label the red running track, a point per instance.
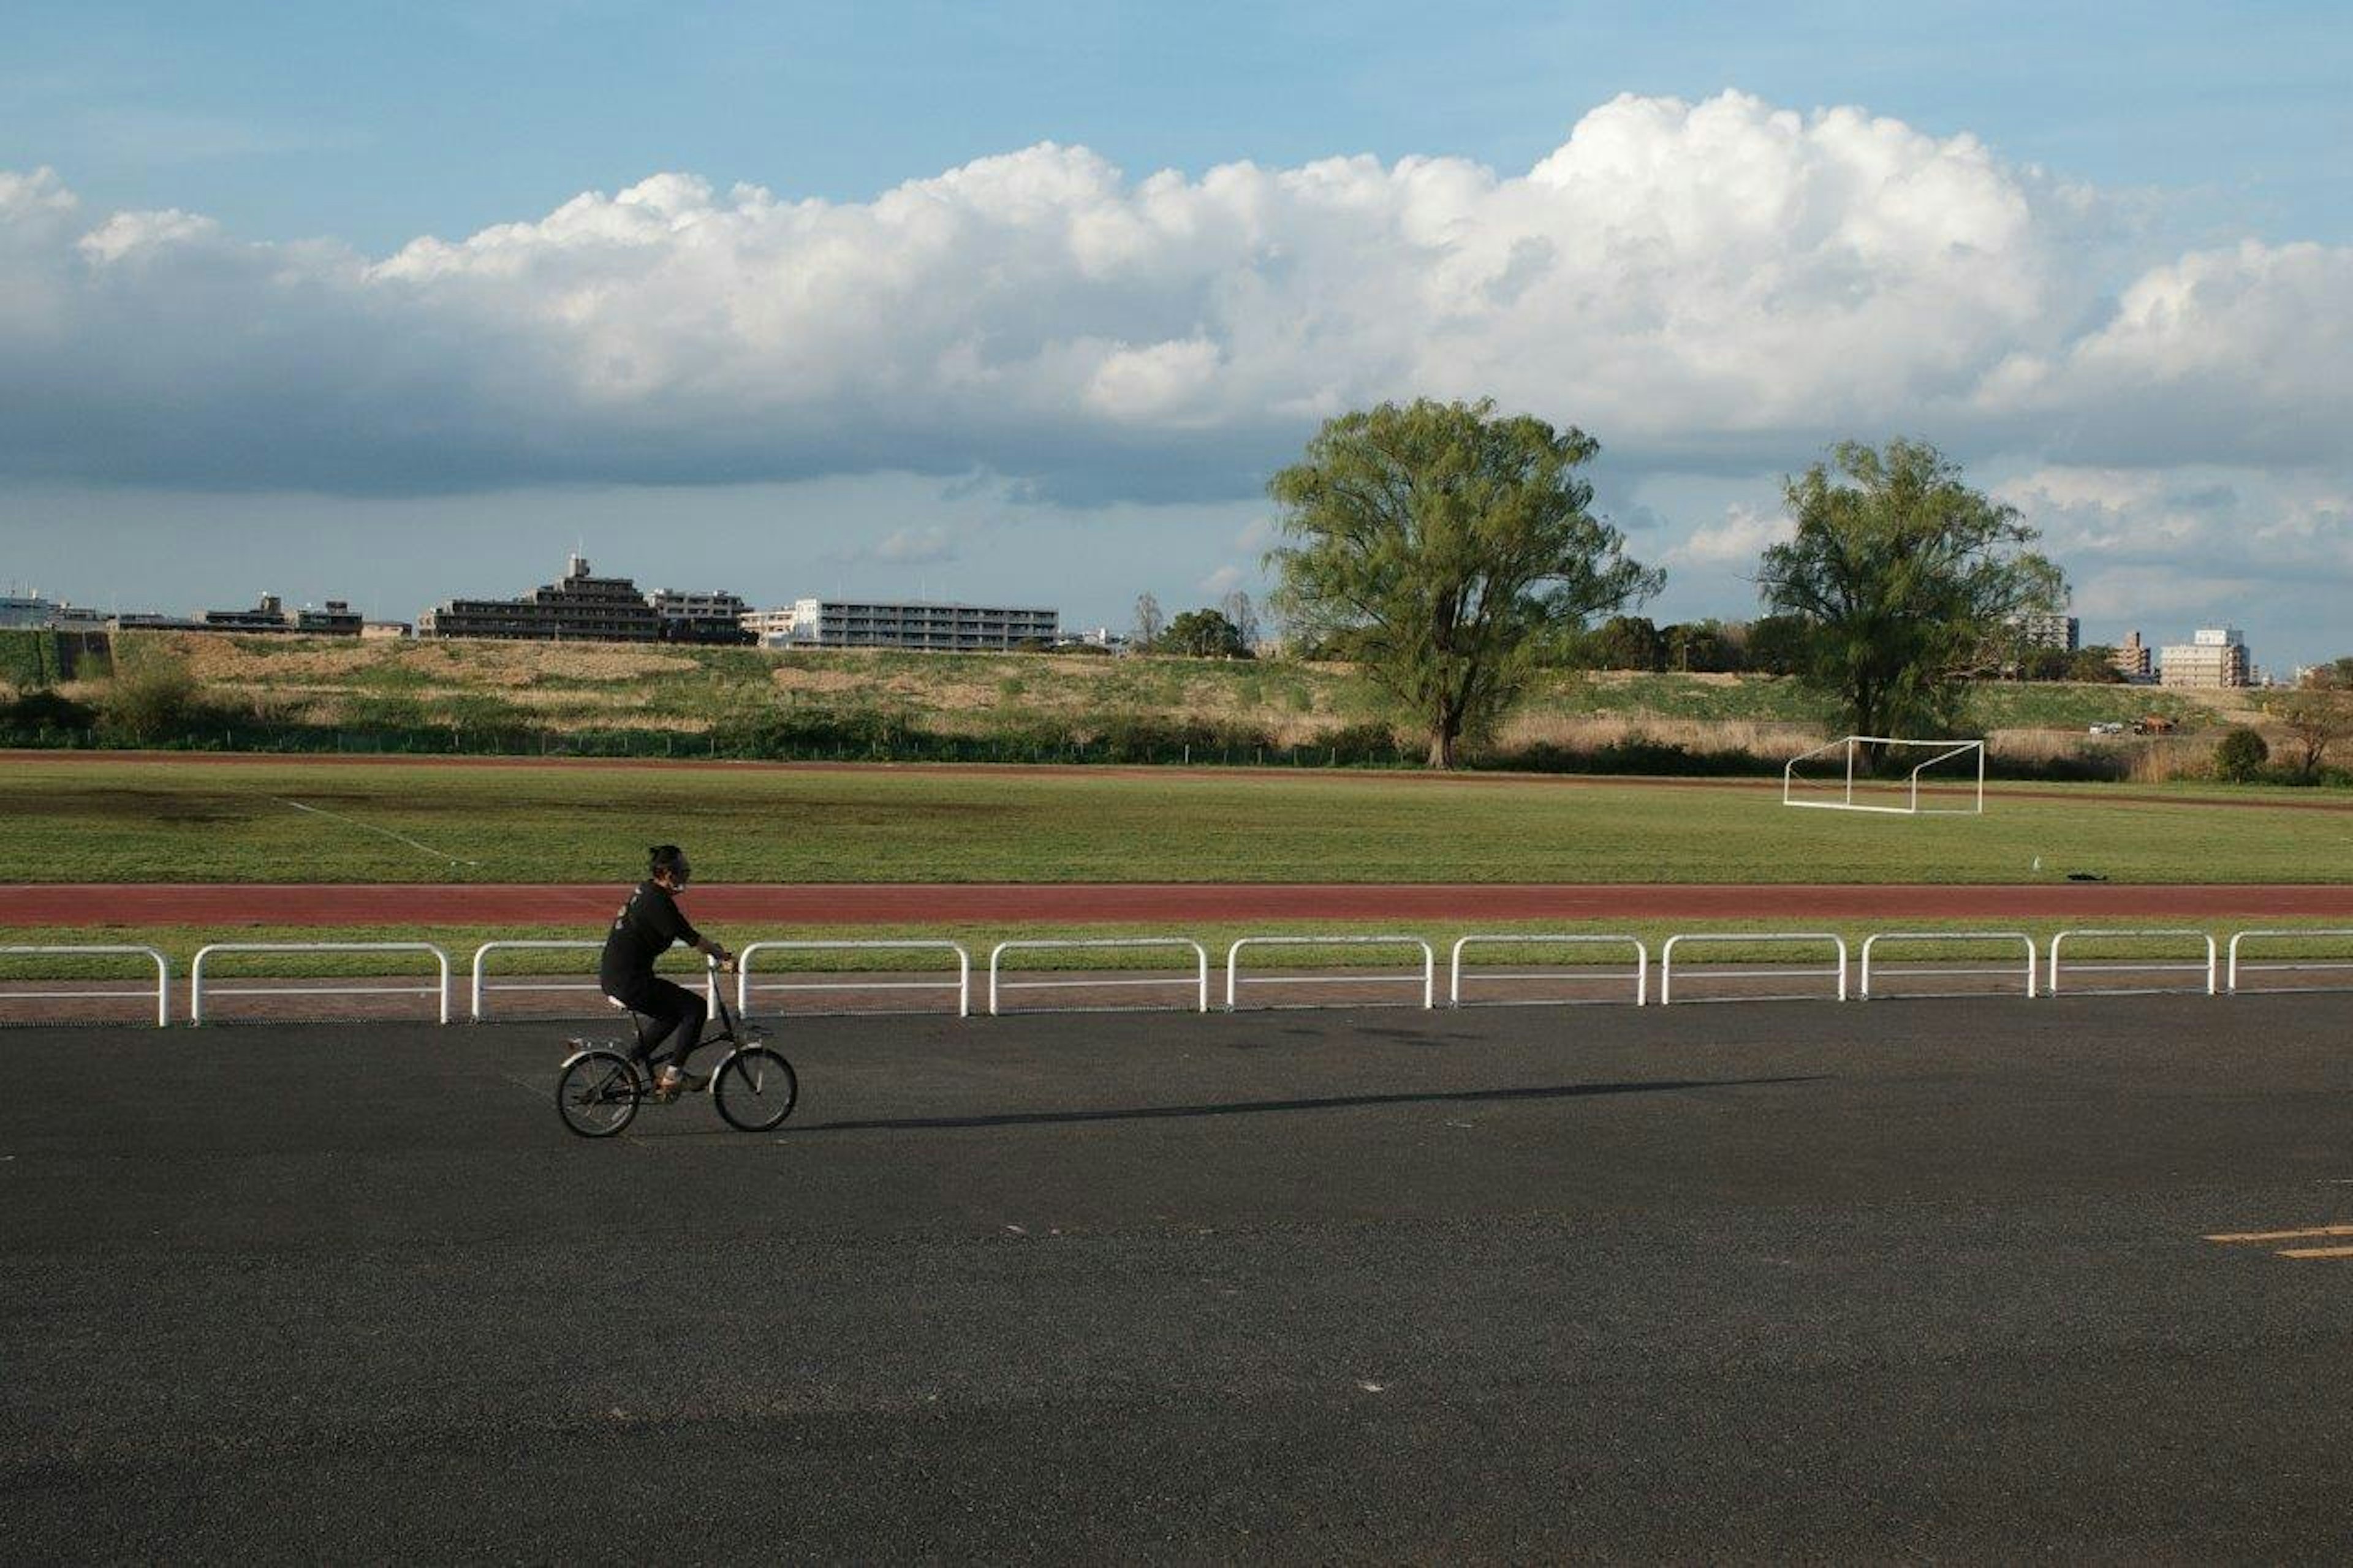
(1145, 903)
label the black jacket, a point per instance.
(648, 925)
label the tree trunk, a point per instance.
(1444, 730)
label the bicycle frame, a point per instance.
(634, 1081)
(733, 1030)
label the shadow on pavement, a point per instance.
(1255, 1106)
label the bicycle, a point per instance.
(599, 1088)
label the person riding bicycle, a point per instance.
(647, 927)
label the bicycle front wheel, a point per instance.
(755, 1089)
(597, 1093)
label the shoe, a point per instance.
(674, 1082)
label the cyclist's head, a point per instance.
(668, 861)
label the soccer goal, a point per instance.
(1883, 772)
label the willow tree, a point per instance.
(1903, 578)
(1441, 546)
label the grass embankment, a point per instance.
(121, 821)
(260, 693)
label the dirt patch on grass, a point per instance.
(234, 661)
(222, 662)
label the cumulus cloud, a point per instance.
(1721, 282)
(2245, 521)
(1737, 541)
(2219, 355)
(915, 546)
(2166, 549)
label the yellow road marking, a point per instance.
(2285, 1235)
(2317, 1252)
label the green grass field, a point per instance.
(109, 821)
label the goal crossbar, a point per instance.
(1946, 750)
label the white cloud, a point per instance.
(24, 196)
(1737, 541)
(1154, 385)
(1258, 534)
(2165, 551)
(127, 233)
(2229, 353)
(915, 546)
(1723, 283)
(2225, 521)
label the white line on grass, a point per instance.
(385, 832)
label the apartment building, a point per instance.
(583, 606)
(2051, 629)
(2214, 656)
(938, 628)
(769, 625)
(700, 617)
(26, 610)
(2131, 659)
(337, 619)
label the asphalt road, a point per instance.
(1904, 1279)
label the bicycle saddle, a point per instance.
(638, 1021)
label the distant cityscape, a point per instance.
(2213, 656)
(582, 606)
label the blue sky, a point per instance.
(236, 367)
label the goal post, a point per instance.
(1837, 777)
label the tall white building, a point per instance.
(941, 629)
(2052, 629)
(2214, 656)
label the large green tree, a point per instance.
(1903, 579)
(1203, 633)
(1441, 545)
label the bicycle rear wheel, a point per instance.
(755, 1089)
(597, 1093)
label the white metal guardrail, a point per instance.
(1199, 980)
(1454, 966)
(439, 990)
(203, 986)
(2210, 966)
(163, 976)
(1976, 936)
(960, 985)
(1667, 962)
(483, 985)
(1233, 963)
(2286, 965)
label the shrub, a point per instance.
(2239, 755)
(1634, 756)
(45, 709)
(1151, 738)
(1367, 740)
(149, 701)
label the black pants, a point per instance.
(677, 1015)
